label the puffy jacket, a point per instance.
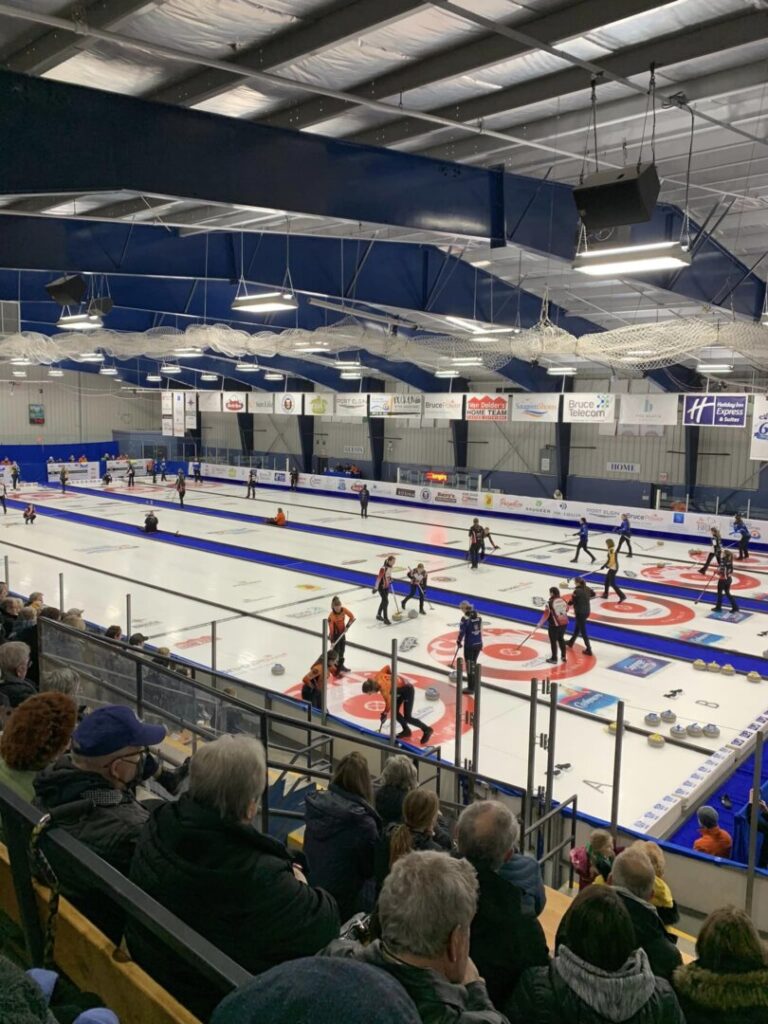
(14, 690)
(524, 873)
(571, 991)
(233, 885)
(342, 831)
(714, 841)
(706, 997)
(419, 841)
(107, 820)
(438, 1000)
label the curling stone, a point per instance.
(694, 552)
(754, 677)
(656, 740)
(728, 670)
(452, 675)
(412, 613)
(613, 727)
(661, 565)
(713, 667)
(668, 716)
(565, 585)
(278, 669)
(700, 665)
(711, 730)
(694, 729)
(431, 693)
(678, 732)
(652, 719)
(398, 616)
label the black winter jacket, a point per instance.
(419, 841)
(571, 991)
(709, 998)
(389, 807)
(14, 691)
(580, 600)
(233, 885)
(340, 839)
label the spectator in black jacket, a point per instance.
(415, 833)
(203, 859)
(396, 781)
(9, 613)
(598, 975)
(504, 940)
(762, 828)
(341, 835)
(14, 665)
(580, 598)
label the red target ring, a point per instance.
(687, 576)
(641, 611)
(505, 657)
(755, 562)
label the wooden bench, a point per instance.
(94, 964)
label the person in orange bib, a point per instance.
(312, 683)
(404, 698)
(279, 519)
(339, 621)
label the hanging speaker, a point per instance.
(100, 305)
(67, 291)
(626, 195)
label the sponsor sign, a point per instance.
(355, 405)
(695, 636)
(730, 616)
(288, 403)
(446, 497)
(394, 404)
(444, 407)
(190, 410)
(649, 410)
(487, 408)
(209, 401)
(178, 413)
(167, 426)
(623, 467)
(530, 408)
(715, 410)
(586, 700)
(318, 404)
(36, 414)
(234, 401)
(470, 498)
(260, 402)
(166, 403)
(78, 472)
(588, 407)
(406, 492)
(353, 449)
(639, 665)
(758, 448)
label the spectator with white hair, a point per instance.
(61, 680)
(15, 687)
(398, 778)
(426, 908)
(504, 940)
(203, 858)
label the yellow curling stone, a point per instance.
(728, 670)
(754, 677)
(713, 667)
(655, 739)
(700, 665)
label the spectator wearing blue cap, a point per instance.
(91, 794)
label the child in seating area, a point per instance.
(662, 894)
(593, 862)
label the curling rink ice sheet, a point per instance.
(266, 614)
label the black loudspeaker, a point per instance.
(67, 291)
(624, 196)
(101, 305)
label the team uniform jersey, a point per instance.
(471, 631)
(338, 621)
(384, 579)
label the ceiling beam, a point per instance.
(331, 26)
(483, 51)
(712, 37)
(45, 50)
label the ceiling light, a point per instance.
(467, 360)
(155, 378)
(19, 373)
(170, 368)
(248, 367)
(207, 377)
(561, 371)
(479, 263)
(21, 361)
(350, 375)
(188, 353)
(348, 364)
(266, 302)
(55, 372)
(79, 322)
(446, 373)
(274, 376)
(632, 259)
(640, 352)
(319, 347)
(714, 368)
(91, 357)
(108, 371)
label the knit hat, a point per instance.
(319, 990)
(21, 1000)
(708, 817)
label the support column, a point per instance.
(692, 438)
(460, 433)
(245, 428)
(375, 431)
(307, 441)
(563, 447)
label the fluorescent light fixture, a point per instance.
(55, 372)
(154, 378)
(479, 263)
(248, 367)
(474, 327)
(348, 364)
(350, 375)
(266, 302)
(91, 357)
(632, 259)
(446, 373)
(79, 321)
(21, 361)
(274, 376)
(108, 371)
(170, 368)
(561, 371)
(188, 353)
(714, 368)
(319, 347)
(467, 360)
(210, 377)
(19, 373)
(640, 352)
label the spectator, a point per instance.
(9, 613)
(397, 779)
(113, 633)
(525, 874)
(594, 861)
(662, 894)
(762, 829)
(204, 860)
(74, 620)
(26, 621)
(26, 632)
(90, 793)
(416, 832)
(426, 908)
(598, 975)
(713, 840)
(504, 940)
(36, 598)
(321, 990)
(15, 687)
(633, 878)
(49, 612)
(36, 733)
(728, 983)
(342, 831)
(137, 640)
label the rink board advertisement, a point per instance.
(354, 405)
(78, 472)
(119, 467)
(395, 403)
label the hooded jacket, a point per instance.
(714, 841)
(572, 991)
(438, 1000)
(340, 839)
(232, 884)
(724, 998)
(15, 691)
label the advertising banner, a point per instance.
(355, 405)
(209, 401)
(319, 404)
(190, 410)
(394, 404)
(79, 472)
(649, 410)
(261, 402)
(759, 440)
(167, 426)
(715, 411)
(443, 407)
(588, 407)
(288, 403)
(178, 413)
(233, 401)
(487, 408)
(532, 408)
